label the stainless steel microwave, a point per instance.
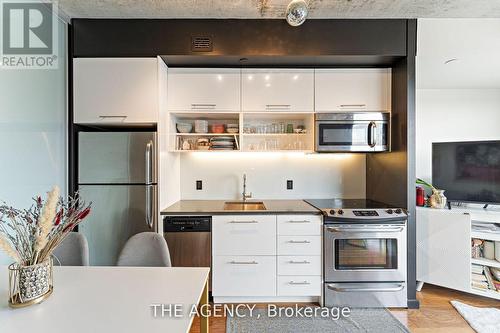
(352, 132)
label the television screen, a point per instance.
(467, 171)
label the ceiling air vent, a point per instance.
(201, 44)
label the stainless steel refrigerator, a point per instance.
(117, 172)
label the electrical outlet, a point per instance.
(289, 184)
(199, 185)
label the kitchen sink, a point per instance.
(244, 205)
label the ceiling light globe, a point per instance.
(296, 12)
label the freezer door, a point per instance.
(116, 157)
(118, 212)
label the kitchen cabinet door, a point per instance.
(244, 276)
(443, 248)
(277, 90)
(205, 89)
(115, 90)
(244, 235)
(353, 89)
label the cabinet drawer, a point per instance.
(299, 225)
(299, 285)
(244, 276)
(299, 265)
(299, 245)
(244, 235)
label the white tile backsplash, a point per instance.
(313, 175)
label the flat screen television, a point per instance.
(467, 171)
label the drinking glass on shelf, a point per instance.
(282, 128)
(275, 128)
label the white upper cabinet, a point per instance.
(115, 90)
(277, 90)
(205, 89)
(353, 89)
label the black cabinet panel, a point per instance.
(265, 40)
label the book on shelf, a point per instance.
(478, 277)
(483, 285)
(477, 269)
(489, 278)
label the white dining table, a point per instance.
(111, 299)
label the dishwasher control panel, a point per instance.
(187, 223)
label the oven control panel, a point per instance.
(365, 214)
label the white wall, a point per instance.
(459, 100)
(314, 175)
(32, 132)
(454, 115)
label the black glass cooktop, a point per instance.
(347, 203)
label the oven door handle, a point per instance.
(363, 229)
(396, 287)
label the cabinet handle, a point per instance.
(244, 222)
(299, 242)
(203, 106)
(278, 106)
(299, 283)
(352, 105)
(243, 262)
(299, 262)
(304, 221)
(112, 117)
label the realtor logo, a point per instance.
(29, 34)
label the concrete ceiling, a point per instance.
(276, 8)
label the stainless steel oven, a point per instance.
(352, 132)
(365, 265)
(373, 252)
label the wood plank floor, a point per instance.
(435, 315)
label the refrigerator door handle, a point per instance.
(150, 206)
(149, 162)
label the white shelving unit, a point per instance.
(444, 247)
(248, 142)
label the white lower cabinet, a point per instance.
(244, 276)
(261, 257)
(299, 285)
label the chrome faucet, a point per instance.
(245, 194)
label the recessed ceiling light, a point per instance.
(296, 12)
(450, 61)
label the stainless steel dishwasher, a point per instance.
(189, 240)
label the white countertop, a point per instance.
(107, 299)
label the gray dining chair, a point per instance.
(147, 249)
(73, 251)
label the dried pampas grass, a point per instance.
(30, 236)
(8, 249)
